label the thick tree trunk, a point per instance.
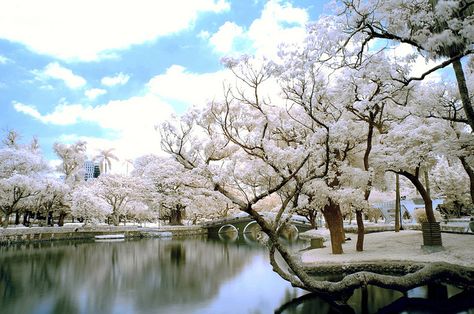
(333, 216)
(360, 231)
(61, 218)
(6, 221)
(115, 219)
(464, 92)
(424, 194)
(470, 173)
(176, 217)
(432, 234)
(50, 219)
(26, 219)
(17, 217)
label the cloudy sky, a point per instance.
(108, 71)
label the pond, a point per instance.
(195, 275)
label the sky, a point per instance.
(109, 71)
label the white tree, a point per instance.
(72, 158)
(117, 191)
(53, 198)
(177, 192)
(439, 30)
(21, 169)
(88, 206)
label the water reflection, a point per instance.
(176, 276)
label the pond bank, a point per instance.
(396, 249)
(33, 234)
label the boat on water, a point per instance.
(110, 237)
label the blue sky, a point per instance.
(108, 71)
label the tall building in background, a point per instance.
(91, 170)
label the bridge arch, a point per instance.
(227, 228)
(251, 227)
(228, 232)
(290, 232)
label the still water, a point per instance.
(160, 276)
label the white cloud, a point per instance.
(89, 29)
(187, 87)
(62, 115)
(4, 60)
(93, 93)
(118, 79)
(56, 71)
(130, 122)
(224, 38)
(278, 23)
(204, 35)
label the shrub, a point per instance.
(420, 215)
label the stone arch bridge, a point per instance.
(246, 226)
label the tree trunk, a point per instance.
(424, 194)
(431, 230)
(61, 218)
(333, 216)
(17, 217)
(176, 217)
(464, 92)
(50, 219)
(359, 214)
(312, 215)
(115, 219)
(398, 212)
(6, 221)
(470, 173)
(360, 231)
(26, 216)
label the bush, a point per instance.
(420, 215)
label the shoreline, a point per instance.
(36, 234)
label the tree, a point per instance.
(437, 29)
(72, 159)
(452, 185)
(177, 192)
(20, 171)
(409, 149)
(53, 198)
(447, 106)
(117, 191)
(13, 190)
(105, 158)
(88, 206)
(371, 94)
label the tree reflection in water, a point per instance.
(178, 276)
(439, 298)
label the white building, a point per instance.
(91, 170)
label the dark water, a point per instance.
(172, 276)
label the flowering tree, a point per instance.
(53, 198)
(21, 168)
(116, 191)
(450, 183)
(87, 205)
(437, 29)
(72, 159)
(177, 192)
(410, 149)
